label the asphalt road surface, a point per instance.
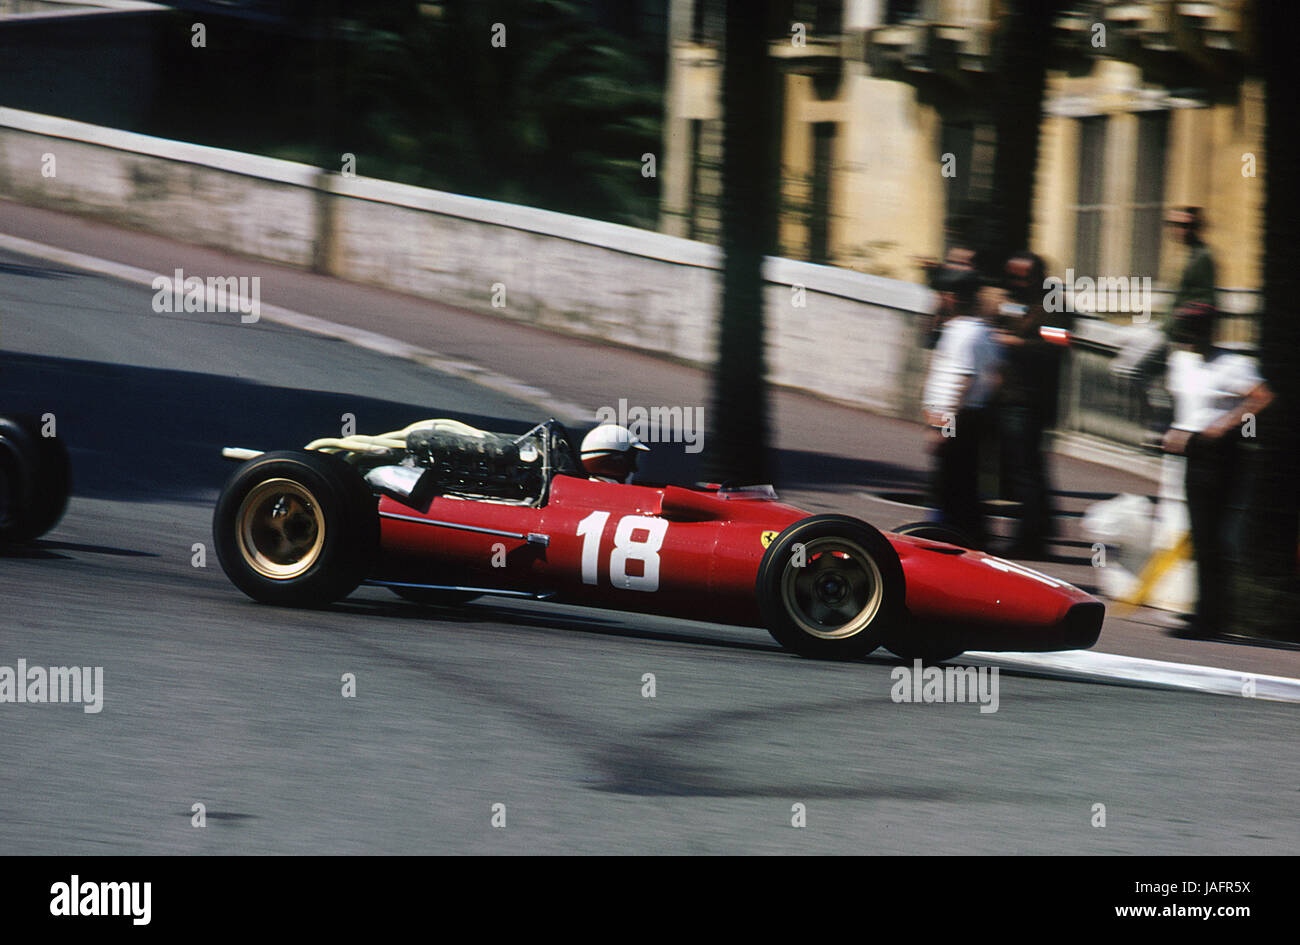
(211, 699)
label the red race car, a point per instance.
(441, 512)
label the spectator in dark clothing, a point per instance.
(960, 258)
(1146, 361)
(1026, 400)
(1195, 292)
(1196, 287)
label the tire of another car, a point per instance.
(296, 528)
(841, 566)
(35, 478)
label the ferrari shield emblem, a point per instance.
(766, 538)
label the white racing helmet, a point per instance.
(609, 452)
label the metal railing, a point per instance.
(1122, 407)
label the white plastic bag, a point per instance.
(1124, 523)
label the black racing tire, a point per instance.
(296, 528)
(933, 531)
(427, 595)
(35, 479)
(849, 571)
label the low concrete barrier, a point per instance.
(239, 202)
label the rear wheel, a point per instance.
(296, 528)
(830, 587)
(35, 479)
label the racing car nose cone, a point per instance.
(1082, 624)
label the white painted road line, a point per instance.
(1093, 666)
(573, 414)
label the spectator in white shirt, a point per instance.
(958, 391)
(1213, 392)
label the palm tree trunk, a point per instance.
(737, 444)
(1268, 592)
(1024, 42)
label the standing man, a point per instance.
(1195, 292)
(1196, 287)
(1026, 400)
(959, 258)
(1213, 392)
(958, 391)
(1146, 360)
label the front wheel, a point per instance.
(830, 587)
(296, 528)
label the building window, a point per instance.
(1088, 208)
(959, 141)
(819, 226)
(902, 11)
(1149, 192)
(693, 213)
(708, 21)
(822, 17)
(969, 189)
(706, 180)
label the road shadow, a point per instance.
(140, 434)
(151, 434)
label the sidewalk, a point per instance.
(828, 456)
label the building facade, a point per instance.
(889, 117)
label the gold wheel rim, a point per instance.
(836, 593)
(281, 529)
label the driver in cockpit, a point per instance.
(609, 453)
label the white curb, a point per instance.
(1092, 666)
